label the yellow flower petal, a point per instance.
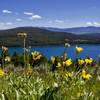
(68, 62)
(79, 49)
(1, 73)
(59, 64)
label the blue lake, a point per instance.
(89, 50)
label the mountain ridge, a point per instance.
(77, 30)
(38, 36)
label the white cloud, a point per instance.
(28, 13)
(7, 11)
(59, 21)
(56, 21)
(96, 24)
(89, 23)
(35, 17)
(8, 23)
(93, 24)
(4, 24)
(18, 19)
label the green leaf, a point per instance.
(17, 95)
(55, 97)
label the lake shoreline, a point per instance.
(50, 45)
(57, 50)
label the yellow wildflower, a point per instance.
(88, 60)
(39, 56)
(83, 72)
(81, 62)
(79, 49)
(69, 74)
(68, 62)
(85, 76)
(1, 73)
(53, 59)
(59, 64)
(79, 94)
(36, 55)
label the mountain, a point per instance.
(40, 36)
(36, 36)
(77, 30)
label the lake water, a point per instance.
(89, 50)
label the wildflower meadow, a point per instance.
(31, 76)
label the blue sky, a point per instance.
(49, 13)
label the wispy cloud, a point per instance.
(93, 23)
(18, 19)
(96, 24)
(35, 17)
(28, 13)
(89, 23)
(7, 11)
(4, 24)
(8, 23)
(59, 21)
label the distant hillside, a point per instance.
(36, 36)
(77, 30)
(40, 36)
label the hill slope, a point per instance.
(40, 36)
(36, 36)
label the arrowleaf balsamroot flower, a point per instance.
(81, 61)
(1, 73)
(88, 60)
(85, 75)
(59, 65)
(36, 55)
(79, 49)
(79, 94)
(68, 62)
(69, 74)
